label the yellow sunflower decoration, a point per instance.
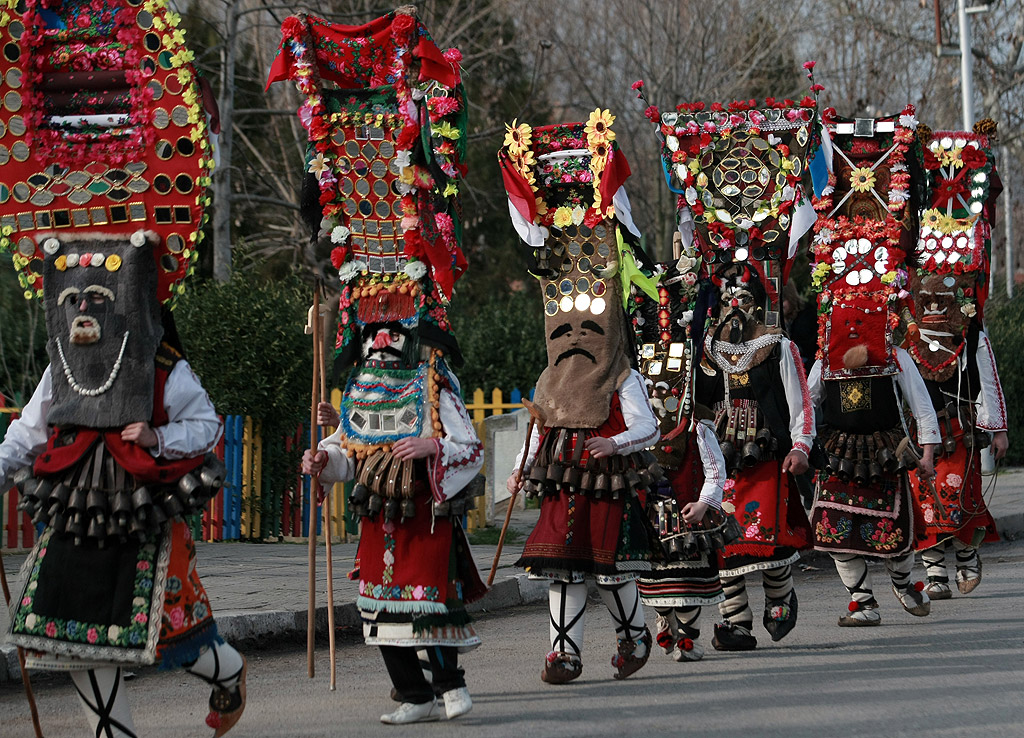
(598, 126)
(862, 179)
(518, 138)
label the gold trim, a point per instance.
(98, 215)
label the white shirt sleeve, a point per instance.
(340, 467)
(714, 465)
(798, 397)
(460, 455)
(915, 392)
(815, 388)
(26, 437)
(641, 424)
(193, 427)
(992, 412)
(532, 453)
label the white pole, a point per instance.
(966, 81)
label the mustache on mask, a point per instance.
(574, 352)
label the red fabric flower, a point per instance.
(592, 218)
(652, 114)
(292, 27)
(817, 88)
(338, 256)
(973, 158)
(637, 85)
(402, 27)
(716, 107)
(453, 55)
(809, 65)
(931, 162)
(318, 128)
(407, 138)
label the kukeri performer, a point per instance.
(948, 343)
(743, 186)
(863, 504)
(567, 204)
(683, 507)
(112, 450)
(389, 203)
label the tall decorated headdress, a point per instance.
(866, 225)
(105, 157)
(951, 258)
(668, 335)
(742, 175)
(385, 115)
(564, 184)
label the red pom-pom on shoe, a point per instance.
(854, 606)
(213, 719)
(919, 586)
(686, 644)
(664, 639)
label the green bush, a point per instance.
(246, 342)
(1003, 320)
(502, 339)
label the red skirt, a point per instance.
(952, 506)
(771, 516)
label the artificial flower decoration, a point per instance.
(598, 127)
(862, 179)
(517, 138)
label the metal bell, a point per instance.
(751, 454)
(408, 509)
(375, 504)
(392, 508)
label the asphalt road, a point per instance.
(958, 672)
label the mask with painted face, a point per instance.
(104, 327)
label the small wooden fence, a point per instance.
(248, 508)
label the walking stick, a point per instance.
(21, 659)
(311, 326)
(327, 516)
(536, 417)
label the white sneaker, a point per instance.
(408, 712)
(457, 702)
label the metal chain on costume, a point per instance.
(746, 351)
(103, 387)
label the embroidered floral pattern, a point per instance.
(826, 532)
(134, 635)
(881, 535)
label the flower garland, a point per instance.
(386, 65)
(692, 133)
(524, 144)
(97, 37)
(959, 175)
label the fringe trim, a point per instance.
(759, 566)
(183, 653)
(457, 618)
(368, 604)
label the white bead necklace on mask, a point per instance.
(103, 387)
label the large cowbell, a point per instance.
(104, 327)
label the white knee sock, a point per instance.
(623, 602)
(935, 563)
(736, 607)
(778, 582)
(102, 694)
(899, 569)
(853, 571)
(566, 606)
(219, 665)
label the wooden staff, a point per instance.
(21, 659)
(311, 324)
(324, 396)
(536, 418)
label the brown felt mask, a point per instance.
(585, 329)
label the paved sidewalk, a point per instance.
(259, 592)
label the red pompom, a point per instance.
(686, 644)
(213, 719)
(664, 639)
(854, 606)
(919, 586)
